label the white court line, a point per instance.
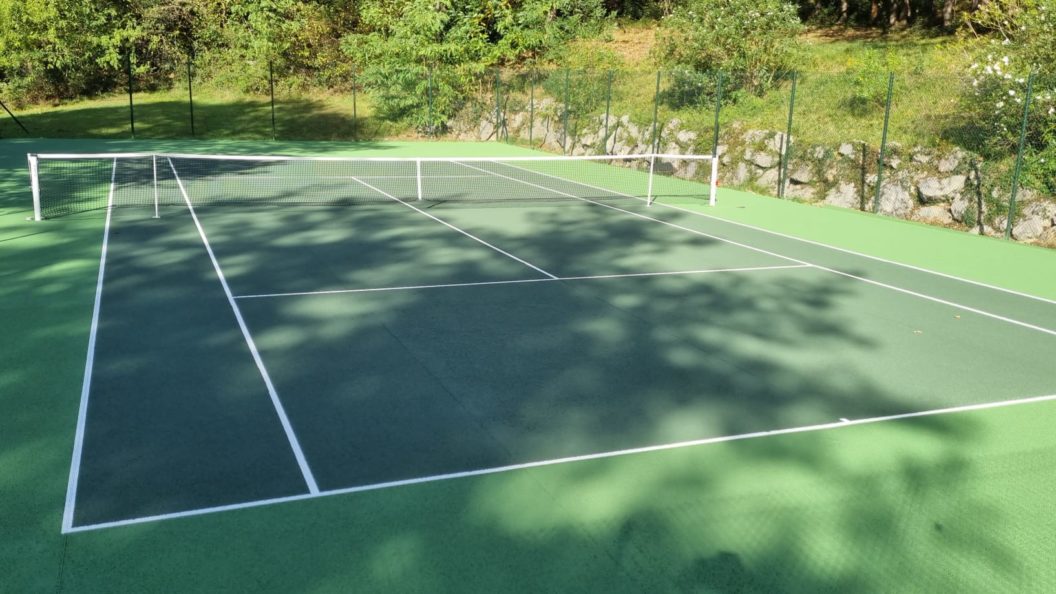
(450, 226)
(800, 239)
(520, 281)
(295, 445)
(877, 283)
(569, 459)
(82, 410)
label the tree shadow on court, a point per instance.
(577, 368)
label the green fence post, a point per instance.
(500, 123)
(190, 92)
(1019, 157)
(355, 116)
(429, 99)
(656, 112)
(271, 86)
(883, 143)
(608, 108)
(564, 123)
(131, 107)
(531, 107)
(718, 110)
(865, 164)
(786, 142)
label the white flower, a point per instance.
(1011, 93)
(1005, 60)
(1000, 104)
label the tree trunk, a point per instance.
(947, 13)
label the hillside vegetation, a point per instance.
(960, 73)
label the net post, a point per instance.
(418, 176)
(34, 184)
(649, 190)
(714, 184)
(154, 163)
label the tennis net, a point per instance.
(64, 184)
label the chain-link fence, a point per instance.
(959, 150)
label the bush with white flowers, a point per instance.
(1022, 39)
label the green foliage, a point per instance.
(458, 40)
(1021, 40)
(754, 41)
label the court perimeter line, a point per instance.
(450, 226)
(924, 296)
(520, 281)
(89, 364)
(567, 460)
(302, 461)
(803, 240)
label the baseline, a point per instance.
(842, 423)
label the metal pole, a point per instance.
(498, 104)
(271, 86)
(656, 112)
(355, 126)
(154, 163)
(14, 118)
(531, 108)
(429, 100)
(1019, 157)
(564, 124)
(190, 92)
(608, 105)
(718, 109)
(786, 143)
(883, 143)
(131, 108)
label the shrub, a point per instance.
(754, 41)
(459, 41)
(1022, 39)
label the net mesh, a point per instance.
(68, 184)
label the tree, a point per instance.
(753, 41)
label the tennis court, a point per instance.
(272, 331)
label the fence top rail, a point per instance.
(282, 158)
